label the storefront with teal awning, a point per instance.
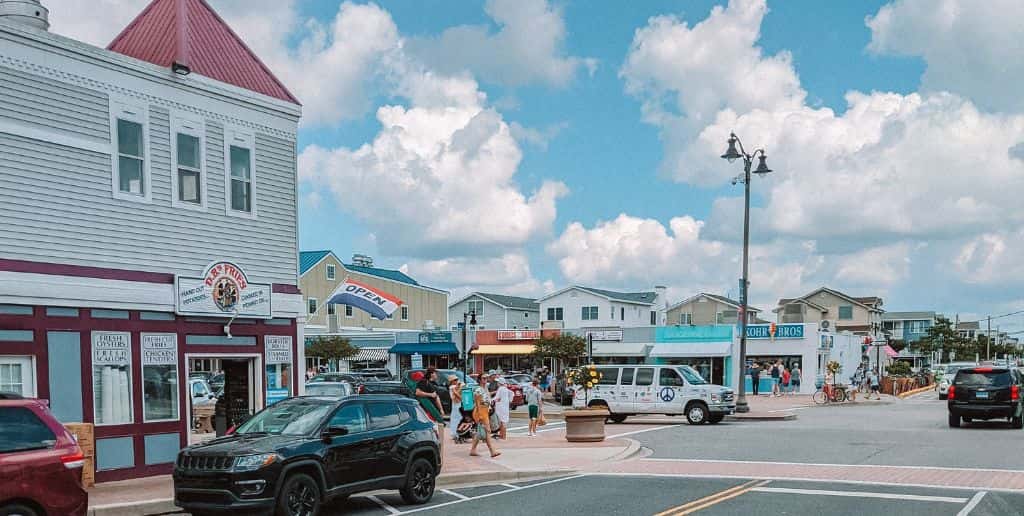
(707, 349)
(437, 349)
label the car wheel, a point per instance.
(419, 483)
(300, 496)
(714, 419)
(943, 396)
(954, 421)
(17, 510)
(1017, 422)
(617, 418)
(697, 414)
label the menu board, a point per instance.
(111, 348)
(278, 349)
(159, 349)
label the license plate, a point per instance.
(981, 395)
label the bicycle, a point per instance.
(830, 394)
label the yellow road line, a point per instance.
(713, 498)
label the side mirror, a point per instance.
(333, 431)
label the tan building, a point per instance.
(860, 315)
(321, 272)
(704, 309)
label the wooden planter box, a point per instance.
(584, 426)
(83, 433)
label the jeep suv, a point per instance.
(986, 393)
(302, 452)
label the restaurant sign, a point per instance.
(518, 334)
(782, 331)
(277, 349)
(223, 290)
(605, 335)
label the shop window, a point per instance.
(112, 378)
(476, 307)
(159, 377)
(348, 310)
(845, 313)
(589, 313)
(311, 305)
(331, 274)
(278, 356)
(405, 313)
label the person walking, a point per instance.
(455, 392)
(534, 403)
(786, 378)
(755, 378)
(482, 417)
(794, 379)
(776, 378)
(875, 384)
(502, 401)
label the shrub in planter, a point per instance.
(584, 424)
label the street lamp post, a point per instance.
(732, 154)
(469, 318)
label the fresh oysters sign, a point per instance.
(223, 290)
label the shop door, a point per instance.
(17, 376)
(238, 399)
(644, 391)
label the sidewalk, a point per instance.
(547, 454)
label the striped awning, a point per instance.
(371, 355)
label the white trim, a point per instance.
(859, 494)
(404, 309)
(121, 109)
(131, 378)
(33, 386)
(195, 127)
(237, 137)
(331, 270)
(349, 312)
(54, 137)
(585, 290)
(316, 303)
(709, 297)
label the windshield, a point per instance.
(320, 389)
(691, 375)
(997, 379)
(294, 417)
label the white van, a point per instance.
(629, 390)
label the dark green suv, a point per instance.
(299, 453)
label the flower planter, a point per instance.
(584, 426)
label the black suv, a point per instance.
(292, 457)
(986, 393)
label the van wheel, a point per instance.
(697, 414)
(419, 483)
(300, 496)
(954, 421)
(17, 510)
(617, 418)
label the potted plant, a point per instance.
(584, 424)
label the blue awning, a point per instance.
(434, 348)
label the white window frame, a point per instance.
(29, 387)
(477, 302)
(685, 318)
(349, 312)
(331, 310)
(316, 305)
(236, 137)
(589, 313)
(139, 114)
(405, 312)
(177, 370)
(196, 128)
(331, 272)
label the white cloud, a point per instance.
(970, 48)
(875, 267)
(537, 137)
(509, 274)
(528, 47)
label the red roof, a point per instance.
(191, 33)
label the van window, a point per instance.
(645, 376)
(669, 378)
(609, 375)
(627, 375)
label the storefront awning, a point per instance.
(371, 355)
(504, 349)
(691, 349)
(621, 349)
(435, 348)
(891, 353)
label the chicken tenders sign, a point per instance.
(225, 290)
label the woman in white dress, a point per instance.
(502, 400)
(455, 391)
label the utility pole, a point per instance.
(988, 341)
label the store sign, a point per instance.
(159, 349)
(605, 335)
(782, 331)
(111, 348)
(223, 290)
(277, 349)
(417, 361)
(518, 334)
(435, 337)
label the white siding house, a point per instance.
(586, 307)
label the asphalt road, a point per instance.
(908, 433)
(669, 496)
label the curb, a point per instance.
(158, 506)
(632, 450)
(783, 416)
(477, 477)
(918, 390)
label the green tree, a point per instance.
(941, 335)
(564, 347)
(332, 348)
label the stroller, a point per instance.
(464, 432)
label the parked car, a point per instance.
(380, 374)
(330, 389)
(292, 457)
(386, 387)
(521, 378)
(627, 390)
(200, 392)
(518, 398)
(353, 379)
(986, 393)
(40, 461)
(441, 384)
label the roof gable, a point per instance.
(309, 259)
(713, 297)
(869, 303)
(638, 298)
(191, 33)
(519, 303)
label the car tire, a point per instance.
(714, 419)
(617, 418)
(697, 414)
(943, 397)
(1017, 422)
(419, 482)
(299, 496)
(954, 421)
(17, 509)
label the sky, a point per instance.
(519, 146)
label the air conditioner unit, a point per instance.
(825, 326)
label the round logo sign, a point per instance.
(225, 293)
(667, 394)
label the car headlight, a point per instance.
(716, 398)
(254, 462)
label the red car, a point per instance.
(40, 462)
(518, 398)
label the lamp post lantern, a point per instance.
(732, 154)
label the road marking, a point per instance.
(746, 489)
(384, 505)
(488, 495)
(460, 496)
(860, 494)
(872, 466)
(634, 432)
(975, 500)
(714, 496)
(809, 479)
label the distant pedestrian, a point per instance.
(482, 417)
(776, 377)
(794, 379)
(755, 378)
(786, 378)
(455, 392)
(425, 388)
(875, 384)
(534, 402)
(501, 407)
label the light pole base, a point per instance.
(741, 405)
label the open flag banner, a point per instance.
(377, 303)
